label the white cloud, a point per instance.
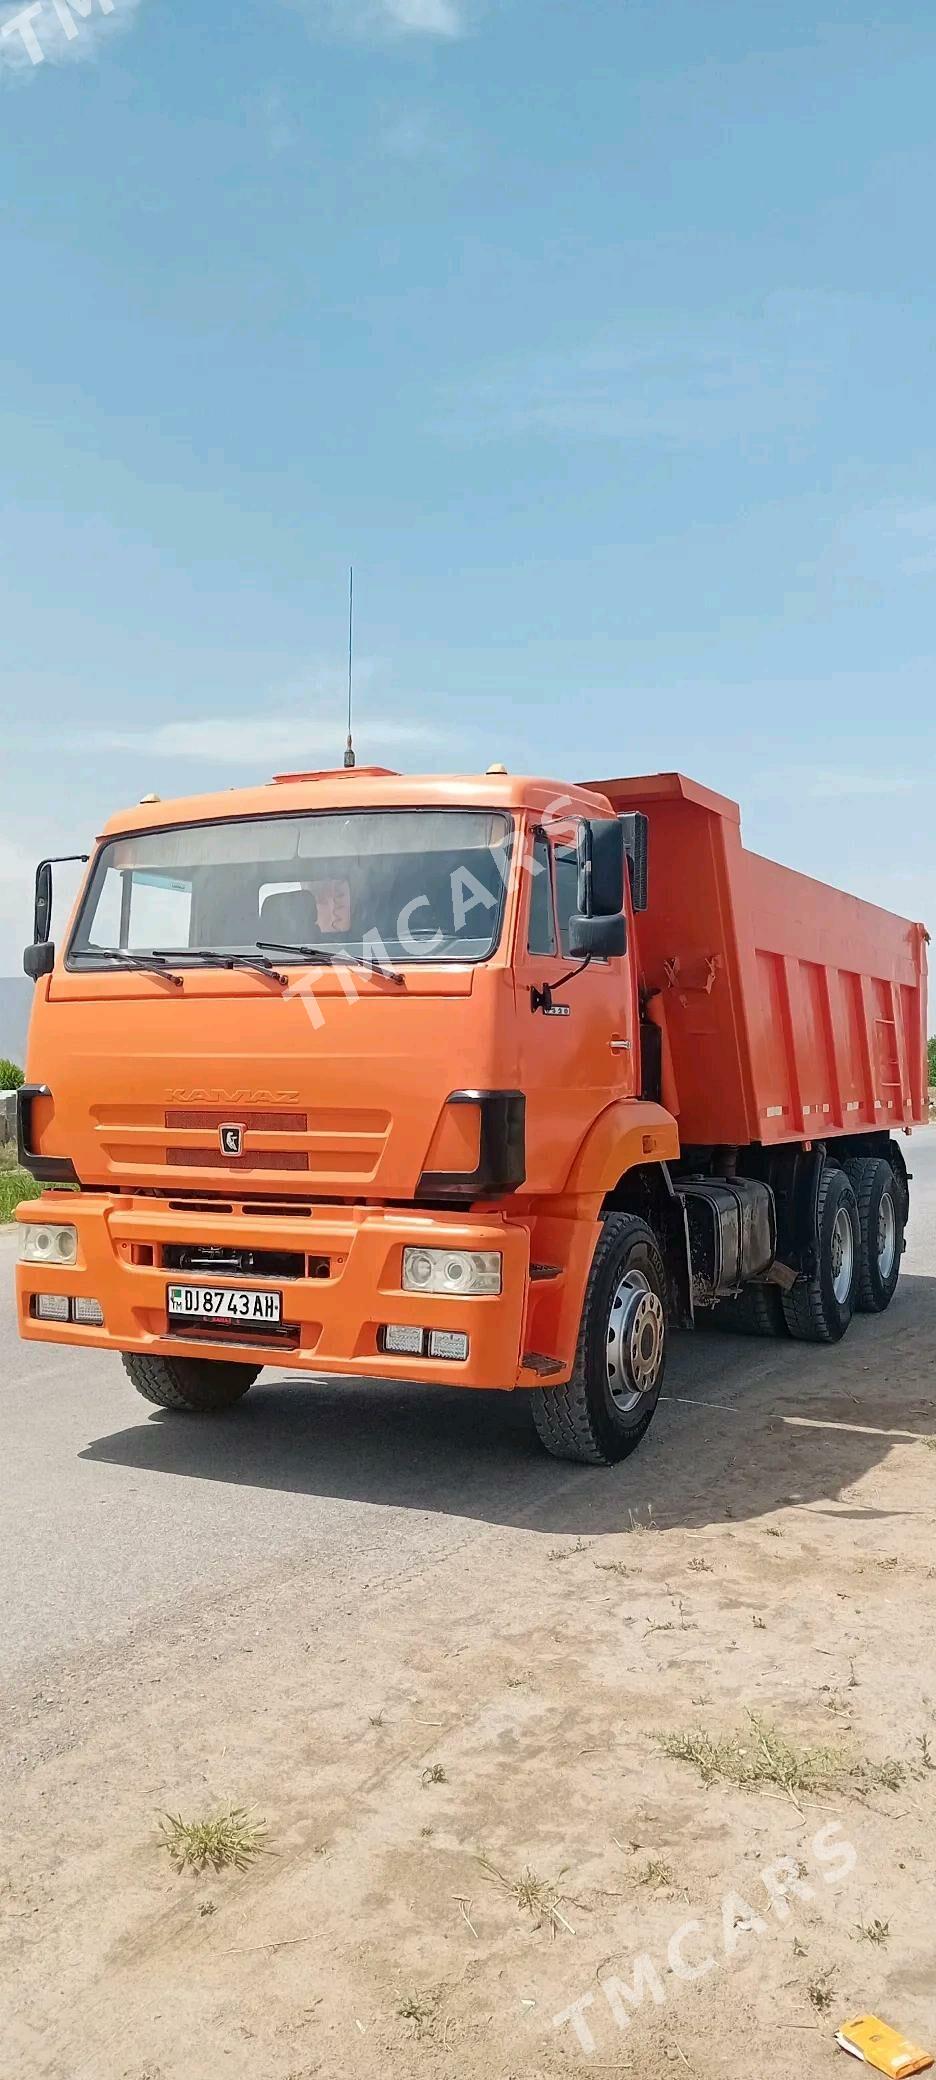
(279, 127)
(657, 379)
(267, 740)
(445, 19)
(58, 32)
(847, 786)
(407, 136)
(682, 394)
(878, 547)
(427, 17)
(773, 783)
(913, 530)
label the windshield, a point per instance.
(399, 885)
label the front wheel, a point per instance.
(882, 1219)
(200, 1386)
(819, 1309)
(609, 1402)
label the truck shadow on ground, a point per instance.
(746, 1427)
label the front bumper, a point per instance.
(332, 1323)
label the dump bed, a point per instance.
(792, 1010)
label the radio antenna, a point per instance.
(349, 758)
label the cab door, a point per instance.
(577, 1031)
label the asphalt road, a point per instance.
(116, 1515)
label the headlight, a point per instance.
(48, 1245)
(454, 1271)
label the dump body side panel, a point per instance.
(836, 993)
(793, 1011)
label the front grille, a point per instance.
(201, 1119)
(298, 1148)
(186, 1119)
(254, 1159)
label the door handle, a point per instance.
(619, 1045)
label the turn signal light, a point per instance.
(447, 1343)
(89, 1313)
(56, 1307)
(50, 1307)
(401, 1341)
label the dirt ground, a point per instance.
(498, 1711)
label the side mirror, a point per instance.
(601, 869)
(599, 929)
(42, 914)
(39, 960)
(597, 938)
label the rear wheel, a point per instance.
(758, 1311)
(881, 1216)
(819, 1309)
(608, 1404)
(200, 1386)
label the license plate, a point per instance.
(223, 1304)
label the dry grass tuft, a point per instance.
(533, 1895)
(221, 1841)
(419, 2011)
(567, 1552)
(820, 1992)
(656, 1871)
(765, 1756)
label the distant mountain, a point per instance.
(16, 993)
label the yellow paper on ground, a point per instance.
(882, 2047)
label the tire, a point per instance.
(600, 1416)
(758, 1311)
(198, 1386)
(882, 1219)
(819, 1309)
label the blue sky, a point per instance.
(600, 336)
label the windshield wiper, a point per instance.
(206, 957)
(332, 957)
(144, 963)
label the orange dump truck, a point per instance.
(481, 1081)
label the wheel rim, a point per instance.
(886, 1235)
(843, 1256)
(636, 1337)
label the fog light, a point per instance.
(405, 1342)
(462, 1271)
(446, 1343)
(89, 1313)
(44, 1244)
(50, 1307)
